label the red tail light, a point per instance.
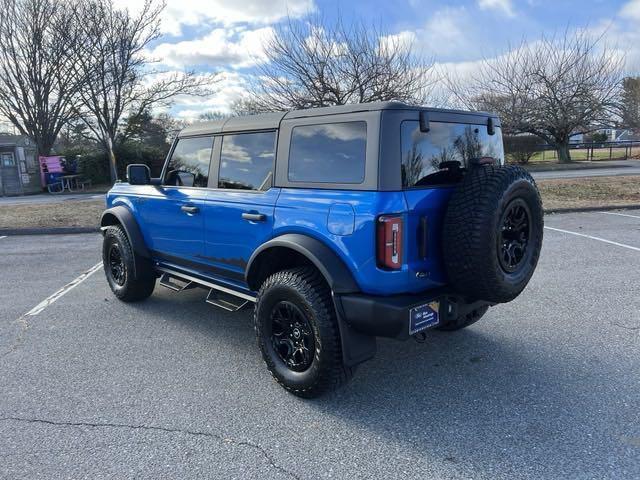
(389, 242)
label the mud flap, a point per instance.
(356, 347)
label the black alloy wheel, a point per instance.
(514, 235)
(130, 277)
(292, 336)
(117, 267)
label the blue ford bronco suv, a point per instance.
(338, 224)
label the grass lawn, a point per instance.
(80, 213)
(589, 192)
(584, 154)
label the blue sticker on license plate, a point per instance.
(424, 316)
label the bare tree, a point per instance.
(553, 88)
(631, 102)
(37, 87)
(314, 64)
(122, 82)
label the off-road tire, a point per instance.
(464, 320)
(305, 288)
(139, 279)
(472, 228)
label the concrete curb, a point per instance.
(591, 209)
(48, 231)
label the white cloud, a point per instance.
(631, 10)
(179, 13)
(405, 40)
(446, 35)
(503, 6)
(232, 87)
(235, 48)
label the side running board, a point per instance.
(219, 295)
(174, 283)
(228, 302)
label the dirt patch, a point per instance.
(589, 192)
(81, 213)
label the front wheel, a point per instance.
(297, 332)
(128, 283)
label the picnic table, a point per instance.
(68, 182)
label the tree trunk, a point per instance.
(113, 166)
(564, 154)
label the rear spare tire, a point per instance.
(492, 233)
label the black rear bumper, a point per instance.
(389, 316)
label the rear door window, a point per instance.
(436, 157)
(246, 161)
(190, 161)
(328, 153)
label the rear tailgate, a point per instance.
(433, 162)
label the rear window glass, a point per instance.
(328, 153)
(424, 153)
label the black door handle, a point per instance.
(189, 209)
(254, 217)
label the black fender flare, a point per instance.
(326, 260)
(123, 216)
(356, 347)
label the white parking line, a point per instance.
(64, 290)
(594, 238)
(621, 214)
(2, 236)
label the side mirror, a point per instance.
(180, 178)
(138, 174)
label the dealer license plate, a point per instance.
(423, 316)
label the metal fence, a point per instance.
(622, 150)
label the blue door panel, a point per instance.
(166, 227)
(228, 238)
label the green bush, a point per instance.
(520, 148)
(129, 153)
(94, 165)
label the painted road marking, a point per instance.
(2, 236)
(621, 214)
(594, 238)
(64, 290)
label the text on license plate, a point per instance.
(423, 316)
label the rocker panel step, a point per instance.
(204, 283)
(175, 283)
(226, 301)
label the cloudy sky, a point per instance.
(226, 35)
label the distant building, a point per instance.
(628, 135)
(19, 168)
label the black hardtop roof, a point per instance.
(269, 121)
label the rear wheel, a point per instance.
(297, 332)
(128, 283)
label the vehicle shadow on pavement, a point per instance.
(470, 397)
(466, 398)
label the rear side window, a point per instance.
(435, 157)
(190, 161)
(328, 153)
(246, 161)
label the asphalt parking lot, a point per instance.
(547, 386)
